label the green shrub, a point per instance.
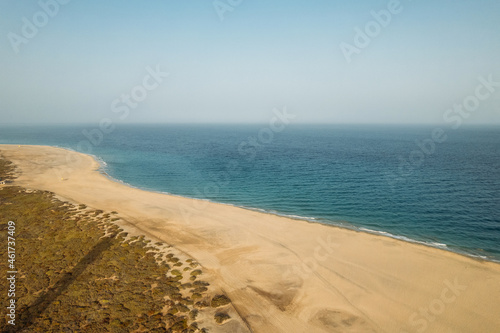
(221, 317)
(219, 300)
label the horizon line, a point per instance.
(248, 123)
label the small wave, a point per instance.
(273, 212)
(297, 217)
(101, 161)
(481, 257)
(404, 238)
(255, 208)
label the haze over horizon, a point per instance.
(234, 61)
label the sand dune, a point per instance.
(285, 275)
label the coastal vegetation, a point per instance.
(79, 271)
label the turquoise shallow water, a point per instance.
(384, 179)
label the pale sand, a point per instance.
(285, 275)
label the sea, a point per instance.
(432, 185)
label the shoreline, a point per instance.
(330, 223)
(284, 276)
(325, 222)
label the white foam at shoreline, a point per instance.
(404, 238)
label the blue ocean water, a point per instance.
(442, 189)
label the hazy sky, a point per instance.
(236, 60)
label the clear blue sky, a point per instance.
(263, 55)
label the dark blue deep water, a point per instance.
(445, 193)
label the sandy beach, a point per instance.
(285, 275)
